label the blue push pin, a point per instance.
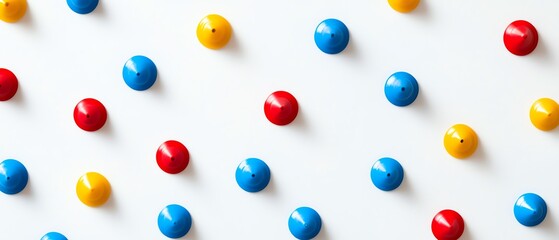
(304, 223)
(252, 175)
(54, 236)
(387, 174)
(82, 6)
(139, 73)
(331, 36)
(401, 89)
(530, 209)
(174, 221)
(13, 176)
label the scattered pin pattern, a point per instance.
(281, 108)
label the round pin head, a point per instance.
(12, 10)
(544, 114)
(139, 73)
(93, 189)
(447, 225)
(401, 89)
(304, 223)
(521, 38)
(331, 36)
(252, 175)
(214, 31)
(8, 84)
(54, 236)
(172, 157)
(82, 6)
(281, 108)
(90, 114)
(460, 141)
(403, 6)
(174, 221)
(530, 209)
(387, 174)
(13, 176)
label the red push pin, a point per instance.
(90, 114)
(8, 84)
(521, 38)
(172, 157)
(281, 108)
(447, 225)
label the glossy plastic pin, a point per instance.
(521, 38)
(387, 174)
(93, 189)
(174, 221)
(331, 36)
(12, 11)
(460, 141)
(54, 236)
(139, 73)
(82, 6)
(403, 6)
(13, 176)
(530, 209)
(172, 157)
(252, 175)
(401, 89)
(447, 225)
(304, 223)
(8, 84)
(90, 114)
(281, 108)
(544, 114)
(214, 31)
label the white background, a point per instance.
(212, 101)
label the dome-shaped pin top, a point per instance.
(544, 114)
(172, 157)
(90, 114)
(82, 6)
(174, 221)
(331, 36)
(387, 174)
(139, 73)
(304, 223)
(281, 108)
(214, 31)
(13, 176)
(252, 175)
(8, 84)
(12, 11)
(460, 141)
(403, 6)
(520, 38)
(54, 236)
(530, 209)
(447, 225)
(401, 89)
(93, 189)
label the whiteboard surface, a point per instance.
(212, 101)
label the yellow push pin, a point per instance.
(12, 10)
(214, 31)
(93, 189)
(460, 141)
(544, 114)
(403, 6)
